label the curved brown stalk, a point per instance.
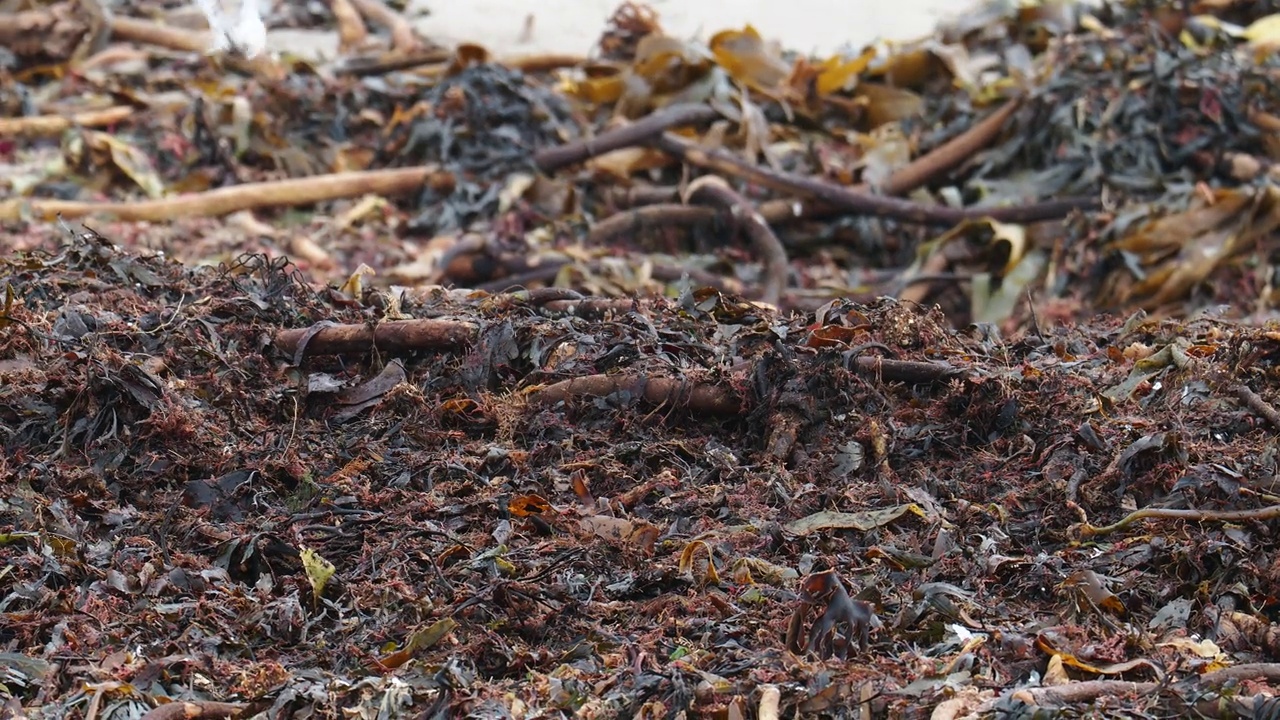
(949, 155)
(712, 190)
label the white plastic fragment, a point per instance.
(245, 36)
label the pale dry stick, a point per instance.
(95, 702)
(1248, 671)
(195, 710)
(149, 33)
(1085, 691)
(1271, 512)
(403, 37)
(116, 53)
(770, 698)
(352, 32)
(224, 201)
(146, 32)
(51, 125)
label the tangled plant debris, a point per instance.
(684, 379)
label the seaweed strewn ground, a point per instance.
(681, 380)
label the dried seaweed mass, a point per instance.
(687, 379)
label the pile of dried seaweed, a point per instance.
(452, 392)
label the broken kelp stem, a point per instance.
(393, 337)
(917, 173)
(702, 398)
(1271, 512)
(860, 203)
(552, 159)
(1254, 402)
(715, 399)
(223, 201)
(195, 710)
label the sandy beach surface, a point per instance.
(524, 27)
(572, 26)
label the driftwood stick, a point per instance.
(223, 201)
(635, 133)
(649, 217)
(703, 398)
(1254, 402)
(195, 710)
(396, 336)
(852, 201)
(951, 154)
(403, 37)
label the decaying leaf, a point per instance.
(839, 73)
(421, 639)
(620, 531)
(318, 570)
(709, 575)
(863, 521)
(1093, 592)
(526, 505)
(129, 160)
(746, 570)
(1179, 251)
(749, 59)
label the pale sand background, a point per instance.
(573, 26)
